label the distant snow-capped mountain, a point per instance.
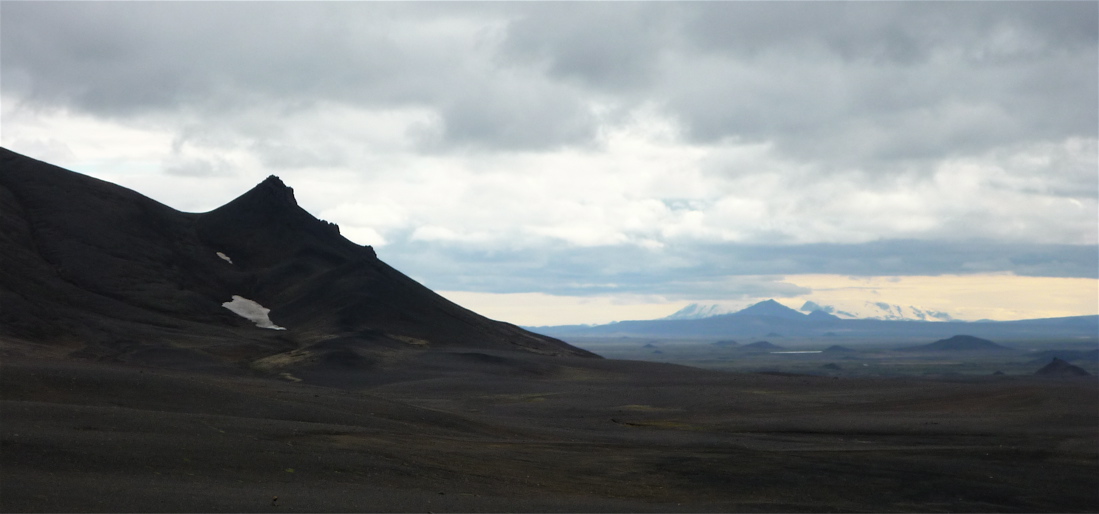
(880, 310)
(765, 308)
(867, 310)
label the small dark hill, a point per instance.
(837, 349)
(959, 343)
(726, 343)
(1060, 368)
(761, 345)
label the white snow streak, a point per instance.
(225, 257)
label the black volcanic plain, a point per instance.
(126, 386)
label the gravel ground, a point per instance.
(592, 435)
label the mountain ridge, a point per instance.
(99, 271)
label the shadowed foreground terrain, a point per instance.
(596, 435)
(126, 384)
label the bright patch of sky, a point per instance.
(630, 154)
(964, 297)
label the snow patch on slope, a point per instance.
(899, 312)
(881, 310)
(225, 257)
(699, 311)
(251, 311)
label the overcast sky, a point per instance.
(582, 162)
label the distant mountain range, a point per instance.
(869, 310)
(772, 319)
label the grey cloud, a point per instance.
(856, 84)
(607, 46)
(718, 271)
(868, 116)
(283, 153)
(894, 32)
(530, 117)
(850, 30)
(881, 81)
(196, 167)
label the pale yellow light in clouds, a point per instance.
(967, 297)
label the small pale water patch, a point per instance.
(802, 351)
(225, 257)
(251, 311)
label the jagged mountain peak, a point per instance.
(268, 197)
(266, 226)
(275, 189)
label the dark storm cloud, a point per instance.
(857, 83)
(893, 80)
(894, 32)
(860, 83)
(215, 61)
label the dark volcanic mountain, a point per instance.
(99, 271)
(959, 343)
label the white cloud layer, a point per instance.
(593, 149)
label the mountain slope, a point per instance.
(95, 269)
